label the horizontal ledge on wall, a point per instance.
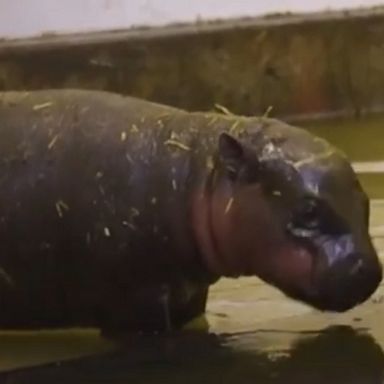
(47, 40)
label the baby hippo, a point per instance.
(120, 213)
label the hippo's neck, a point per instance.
(188, 179)
(202, 226)
(165, 186)
(178, 169)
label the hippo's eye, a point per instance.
(308, 214)
(306, 218)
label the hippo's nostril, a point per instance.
(357, 267)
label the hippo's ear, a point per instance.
(231, 153)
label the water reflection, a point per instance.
(336, 355)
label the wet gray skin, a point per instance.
(120, 213)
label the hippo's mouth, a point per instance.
(295, 270)
(310, 273)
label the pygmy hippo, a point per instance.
(120, 213)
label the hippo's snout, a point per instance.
(349, 282)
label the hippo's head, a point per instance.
(287, 207)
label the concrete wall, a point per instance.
(326, 63)
(25, 18)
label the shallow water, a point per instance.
(256, 334)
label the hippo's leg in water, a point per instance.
(165, 314)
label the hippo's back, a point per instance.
(76, 219)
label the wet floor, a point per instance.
(256, 335)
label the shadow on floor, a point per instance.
(335, 355)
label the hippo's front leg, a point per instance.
(159, 308)
(182, 305)
(192, 316)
